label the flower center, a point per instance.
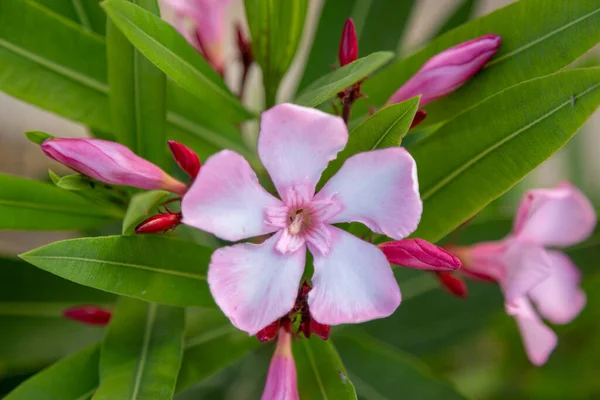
(299, 221)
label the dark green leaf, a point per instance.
(170, 52)
(380, 371)
(276, 28)
(531, 47)
(72, 378)
(459, 16)
(32, 205)
(150, 268)
(384, 25)
(137, 95)
(321, 374)
(86, 13)
(141, 354)
(38, 137)
(530, 122)
(140, 208)
(334, 82)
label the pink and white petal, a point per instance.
(378, 188)
(483, 261)
(561, 216)
(527, 265)
(227, 200)
(559, 298)
(296, 144)
(254, 284)
(538, 339)
(352, 283)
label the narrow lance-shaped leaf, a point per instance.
(459, 16)
(137, 95)
(276, 28)
(384, 25)
(531, 47)
(484, 151)
(141, 353)
(86, 13)
(321, 374)
(170, 52)
(151, 268)
(334, 82)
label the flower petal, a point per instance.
(559, 298)
(352, 283)
(227, 200)
(527, 265)
(296, 144)
(281, 380)
(254, 284)
(561, 216)
(378, 188)
(539, 340)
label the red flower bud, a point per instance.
(185, 158)
(419, 254)
(268, 333)
(348, 51)
(454, 285)
(89, 315)
(159, 223)
(321, 330)
(418, 118)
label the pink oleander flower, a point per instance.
(202, 23)
(449, 70)
(111, 163)
(419, 254)
(281, 380)
(528, 272)
(256, 284)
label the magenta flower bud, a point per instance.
(419, 254)
(185, 158)
(348, 51)
(420, 115)
(453, 284)
(159, 223)
(281, 379)
(448, 70)
(89, 315)
(111, 163)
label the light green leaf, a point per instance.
(140, 208)
(73, 182)
(381, 372)
(141, 353)
(150, 268)
(334, 82)
(531, 47)
(276, 28)
(77, 374)
(461, 14)
(33, 205)
(170, 52)
(137, 95)
(321, 374)
(385, 128)
(492, 146)
(38, 137)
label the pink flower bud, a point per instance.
(281, 379)
(89, 315)
(159, 223)
(448, 70)
(348, 51)
(454, 285)
(111, 163)
(420, 254)
(185, 158)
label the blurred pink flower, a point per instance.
(448, 70)
(281, 380)
(110, 162)
(256, 284)
(528, 272)
(202, 23)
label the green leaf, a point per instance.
(141, 353)
(137, 95)
(140, 208)
(73, 182)
(38, 137)
(385, 128)
(380, 371)
(334, 82)
(212, 346)
(32, 205)
(459, 16)
(86, 13)
(384, 26)
(531, 47)
(77, 374)
(276, 28)
(150, 268)
(492, 146)
(321, 374)
(170, 52)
